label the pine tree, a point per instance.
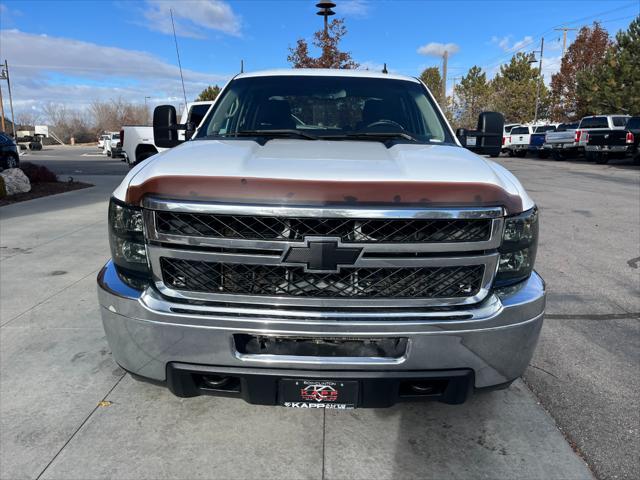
(209, 93)
(515, 88)
(433, 80)
(614, 86)
(471, 97)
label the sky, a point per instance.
(77, 52)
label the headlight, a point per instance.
(519, 247)
(126, 238)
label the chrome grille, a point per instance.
(422, 282)
(407, 257)
(348, 230)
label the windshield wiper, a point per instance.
(377, 136)
(270, 134)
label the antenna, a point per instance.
(184, 93)
(384, 69)
(241, 66)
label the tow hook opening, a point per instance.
(218, 383)
(423, 388)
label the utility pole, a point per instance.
(564, 37)
(4, 75)
(535, 118)
(445, 58)
(3, 128)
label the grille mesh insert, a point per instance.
(349, 230)
(419, 282)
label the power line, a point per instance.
(535, 39)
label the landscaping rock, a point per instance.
(15, 181)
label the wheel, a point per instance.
(11, 162)
(601, 158)
(108, 153)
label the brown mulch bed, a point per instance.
(43, 190)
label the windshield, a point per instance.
(594, 122)
(563, 127)
(545, 128)
(326, 107)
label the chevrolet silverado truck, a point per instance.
(323, 240)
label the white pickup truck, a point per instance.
(137, 140)
(323, 240)
(519, 139)
(112, 146)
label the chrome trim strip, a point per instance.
(282, 245)
(288, 359)
(325, 212)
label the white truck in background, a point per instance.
(112, 146)
(137, 140)
(506, 138)
(519, 139)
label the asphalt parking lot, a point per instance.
(68, 411)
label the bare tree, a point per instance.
(111, 116)
(27, 119)
(67, 123)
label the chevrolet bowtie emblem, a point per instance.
(323, 256)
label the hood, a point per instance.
(292, 171)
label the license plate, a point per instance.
(471, 141)
(329, 394)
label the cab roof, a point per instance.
(326, 72)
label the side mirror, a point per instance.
(487, 139)
(165, 126)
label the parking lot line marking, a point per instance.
(104, 399)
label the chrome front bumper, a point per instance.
(495, 339)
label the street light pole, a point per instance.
(2, 126)
(4, 75)
(535, 117)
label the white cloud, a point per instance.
(505, 43)
(352, 8)
(192, 18)
(437, 49)
(550, 65)
(62, 70)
